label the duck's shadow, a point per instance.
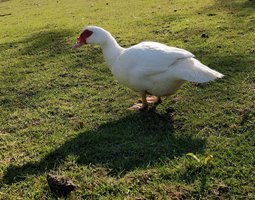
(135, 141)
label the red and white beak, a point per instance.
(82, 39)
(79, 43)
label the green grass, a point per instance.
(61, 111)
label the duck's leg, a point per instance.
(140, 106)
(152, 100)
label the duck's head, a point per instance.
(92, 35)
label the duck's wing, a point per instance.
(152, 58)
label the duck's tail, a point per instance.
(194, 71)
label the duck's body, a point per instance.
(149, 67)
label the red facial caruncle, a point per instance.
(83, 37)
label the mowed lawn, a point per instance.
(62, 112)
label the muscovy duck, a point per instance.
(149, 68)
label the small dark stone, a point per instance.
(185, 41)
(175, 10)
(107, 4)
(211, 14)
(3, 15)
(204, 35)
(60, 185)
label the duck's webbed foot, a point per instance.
(142, 105)
(138, 107)
(152, 100)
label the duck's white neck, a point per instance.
(111, 50)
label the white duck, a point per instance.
(149, 68)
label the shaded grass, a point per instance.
(121, 150)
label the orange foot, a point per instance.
(138, 107)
